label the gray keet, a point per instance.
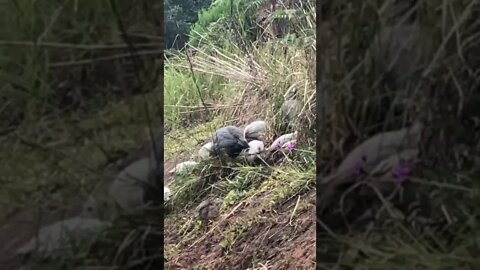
(208, 209)
(291, 109)
(229, 141)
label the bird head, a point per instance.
(243, 142)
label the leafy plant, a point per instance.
(224, 20)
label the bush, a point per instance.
(222, 21)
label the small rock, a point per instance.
(208, 209)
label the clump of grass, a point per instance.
(183, 101)
(188, 141)
(243, 183)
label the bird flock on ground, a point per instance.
(232, 142)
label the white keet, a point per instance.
(127, 190)
(388, 164)
(184, 167)
(255, 147)
(205, 151)
(282, 140)
(63, 235)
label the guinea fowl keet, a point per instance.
(205, 151)
(229, 141)
(183, 167)
(255, 130)
(282, 140)
(128, 188)
(62, 236)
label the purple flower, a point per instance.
(291, 146)
(401, 173)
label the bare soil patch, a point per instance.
(275, 239)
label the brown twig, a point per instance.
(59, 45)
(105, 58)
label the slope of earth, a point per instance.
(250, 236)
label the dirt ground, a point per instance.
(274, 241)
